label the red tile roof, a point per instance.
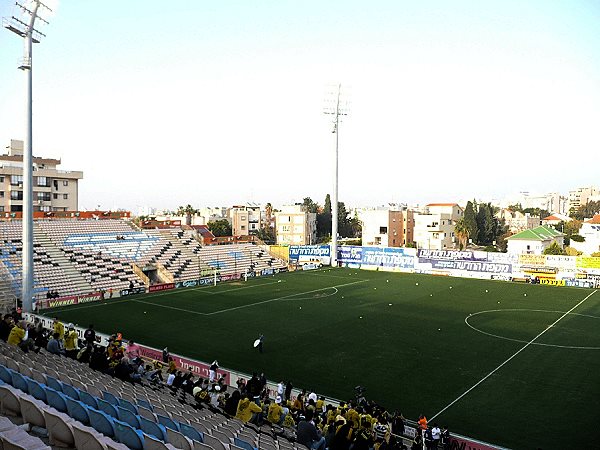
(595, 219)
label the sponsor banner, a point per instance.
(387, 257)
(463, 443)
(580, 283)
(532, 260)
(425, 255)
(161, 287)
(196, 367)
(508, 258)
(309, 266)
(68, 301)
(137, 290)
(538, 270)
(266, 272)
(205, 281)
(501, 277)
(588, 262)
(561, 262)
(310, 253)
(520, 280)
(551, 282)
(186, 284)
(350, 254)
(470, 266)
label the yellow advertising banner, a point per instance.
(588, 262)
(532, 260)
(551, 282)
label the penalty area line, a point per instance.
(512, 356)
(283, 298)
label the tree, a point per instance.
(266, 234)
(324, 219)
(585, 211)
(485, 224)
(310, 206)
(470, 218)
(268, 214)
(554, 249)
(220, 227)
(188, 211)
(462, 233)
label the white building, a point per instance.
(590, 231)
(387, 226)
(534, 241)
(517, 221)
(434, 229)
(245, 219)
(582, 196)
(295, 226)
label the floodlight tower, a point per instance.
(24, 27)
(336, 107)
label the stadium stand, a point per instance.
(79, 256)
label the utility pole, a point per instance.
(24, 27)
(336, 107)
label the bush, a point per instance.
(577, 238)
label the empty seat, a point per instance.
(56, 400)
(167, 422)
(86, 438)
(128, 435)
(191, 432)
(88, 399)
(70, 391)
(32, 412)
(179, 440)
(107, 408)
(78, 411)
(102, 422)
(9, 401)
(128, 417)
(36, 390)
(60, 432)
(154, 429)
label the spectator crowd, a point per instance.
(307, 418)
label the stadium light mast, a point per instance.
(336, 107)
(24, 27)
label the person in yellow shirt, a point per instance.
(353, 417)
(276, 414)
(71, 347)
(59, 328)
(246, 409)
(17, 334)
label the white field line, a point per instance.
(511, 357)
(160, 294)
(284, 297)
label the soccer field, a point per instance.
(513, 364)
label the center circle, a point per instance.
(492, 311)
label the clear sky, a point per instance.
(218, 103)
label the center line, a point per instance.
(510, 358)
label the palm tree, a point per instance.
(268, 213)
(188, 211)
(461, 231)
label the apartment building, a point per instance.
(245, 219)
(517, 221)
(434, 228)
(295, 226)
(387, 226)
(581, 196)
(53, 189)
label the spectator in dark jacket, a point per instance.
(309, 435)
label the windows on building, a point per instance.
(16, 180)
(1, 194)
(383, 230)
(65, 183)
(55, 196)
(65, 196)
(16, 195)
(43, 196)
(43, 181)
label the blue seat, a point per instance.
(167, 422)
(243, 444)
(70, 391)
(107, 408)
(101, 422)
(53, 383)
(5, 375)
(128, 405)
(126, 434)
(88, 399)
(191, 432)
(153, 429)
(78, 411)
(110, 398)
(19, 381)
(144, 403)
(36, 390)
(128, 417)
(56, 399)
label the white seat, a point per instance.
(59, 426)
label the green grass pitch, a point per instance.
(416, 342)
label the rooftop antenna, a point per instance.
(337, 107)
(22, 23)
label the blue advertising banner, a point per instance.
(470, 266)
(388, 257)
(350, 254)
(426, 255)
(300, 253)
